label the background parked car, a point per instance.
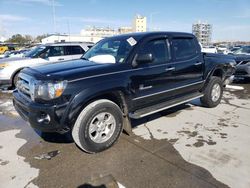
(5, 48)
(242, 57)
(209, 49)
(10, 54)
(43, 54)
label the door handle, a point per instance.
(60, 59)
(198, 63)
(170, 69)
(142, 87)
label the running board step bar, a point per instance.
(163, 106)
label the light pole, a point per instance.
(151, 19)
(54, 15)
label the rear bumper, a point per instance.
(34, 113)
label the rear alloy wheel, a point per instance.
(98, 126)
(212, 93)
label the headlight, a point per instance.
(3, 65)
(232, 64)
(49, 90)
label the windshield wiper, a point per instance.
(84, 58)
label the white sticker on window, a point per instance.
(131, 41)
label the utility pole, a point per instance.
(151, 20)
(54, 15)
(68, 28)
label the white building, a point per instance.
(97, 33)
(203, 32)
(124, 30)
(140, 24)
(65, 38)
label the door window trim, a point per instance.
(167, 42)
(186, 58)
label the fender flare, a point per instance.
(78, 103)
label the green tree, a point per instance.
(17, 38)
(40, 37)
(28, 39)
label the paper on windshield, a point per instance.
(131, 41)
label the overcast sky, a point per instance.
(230, 18)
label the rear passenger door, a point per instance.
(74, 52)
(56, 54)
(188, 63)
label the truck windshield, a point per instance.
(111, 50)
(35, 52)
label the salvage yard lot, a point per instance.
(186, 146)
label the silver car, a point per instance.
(43, 54)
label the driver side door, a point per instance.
(150, 81)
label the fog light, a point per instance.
(44, 118)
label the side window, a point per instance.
(76, 50)
(184, 47)
(56, 51)
(159, 49)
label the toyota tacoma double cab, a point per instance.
(119, 78)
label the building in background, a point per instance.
(140, 24)
(54, 38)
(203, 32)
(97, 33)
(124, 30)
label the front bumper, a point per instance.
(33, 113)
(242, 71)
(5, 84)
(228, 80)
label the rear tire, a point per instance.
(213, 92)
(98, 126)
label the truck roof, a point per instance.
(148, 34)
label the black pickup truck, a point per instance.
(121, 77)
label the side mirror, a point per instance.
(144, 58)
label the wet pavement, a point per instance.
(186, 146)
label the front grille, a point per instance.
(24, 85)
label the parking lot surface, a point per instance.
(186, 146)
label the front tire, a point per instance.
(15, 79)
(98, 126)
(213, 92)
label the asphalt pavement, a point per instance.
(186, 146)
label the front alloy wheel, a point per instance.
(102, 127)
(98, 126)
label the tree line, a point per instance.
(25, 39)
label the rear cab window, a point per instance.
(184, 47)
(74, 50)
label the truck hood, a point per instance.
(73, 69)
(66, 66)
